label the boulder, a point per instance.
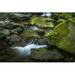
(29, 34)
(63, 36)
(41, 22)
(5, 32)
(19, 17)
(44, 54)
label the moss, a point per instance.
(41, 21)
(65, 37)
(29, 34)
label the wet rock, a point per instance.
(3, 16)
(63, 36)
(5, 52)
(16, 17)
(42, 41)
(14, 38)
(29, 34)
(44, 54)
(40, 32)
(22, 15)
(16, 30)
(41, 22)
(3, 24)
(5, 32)
(15, 24)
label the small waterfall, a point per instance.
(27, 49)
(31, 44)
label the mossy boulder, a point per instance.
(63, 36)
(28, 34)
(41, 22)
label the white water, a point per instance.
(34, 28)
(27, 49)
(46, 14)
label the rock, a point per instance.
(2, 23)
(15, 24)
(40, 32)
(29, 34)
(14, 38)
(42, 41)
(41, 22)
(16, 17)
(5, 52)
(44, 54)
(5, 32)
(16, 30)
(63, 36)
(22, 15)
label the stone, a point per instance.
(63, 36)
(44, 54)
(41, 22)
(5, 32)
(16, 17)
(29, 34)
(16, 30)
(14, 38)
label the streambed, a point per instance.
(33, 38)
(18, 31)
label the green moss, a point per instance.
(41, 21)
(29, 34)
(65, 37)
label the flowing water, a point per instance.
(30, 44)
(27, 42)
